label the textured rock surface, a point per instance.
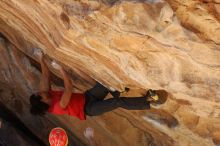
(10, 136)
(172, 45)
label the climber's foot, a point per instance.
(152, 95)
(156, 97)
(126, 89)
(55, 65)
(117, 94)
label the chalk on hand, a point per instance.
(38, 52)
(55, 65)
(112, 89)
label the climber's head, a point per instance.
(158, 96)
(38, 107)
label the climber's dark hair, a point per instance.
(37, 106)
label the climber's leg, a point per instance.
(98, 92)
(129, 103)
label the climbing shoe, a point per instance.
(116, 94)
(152, 95)
(126, 89)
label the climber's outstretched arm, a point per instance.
(68, 89)
(45, 77)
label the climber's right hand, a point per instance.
(55, 65)
(38, 53)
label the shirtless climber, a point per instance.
(91, 103)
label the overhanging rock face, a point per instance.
(172, 45)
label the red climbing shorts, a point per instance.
(75, 107)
